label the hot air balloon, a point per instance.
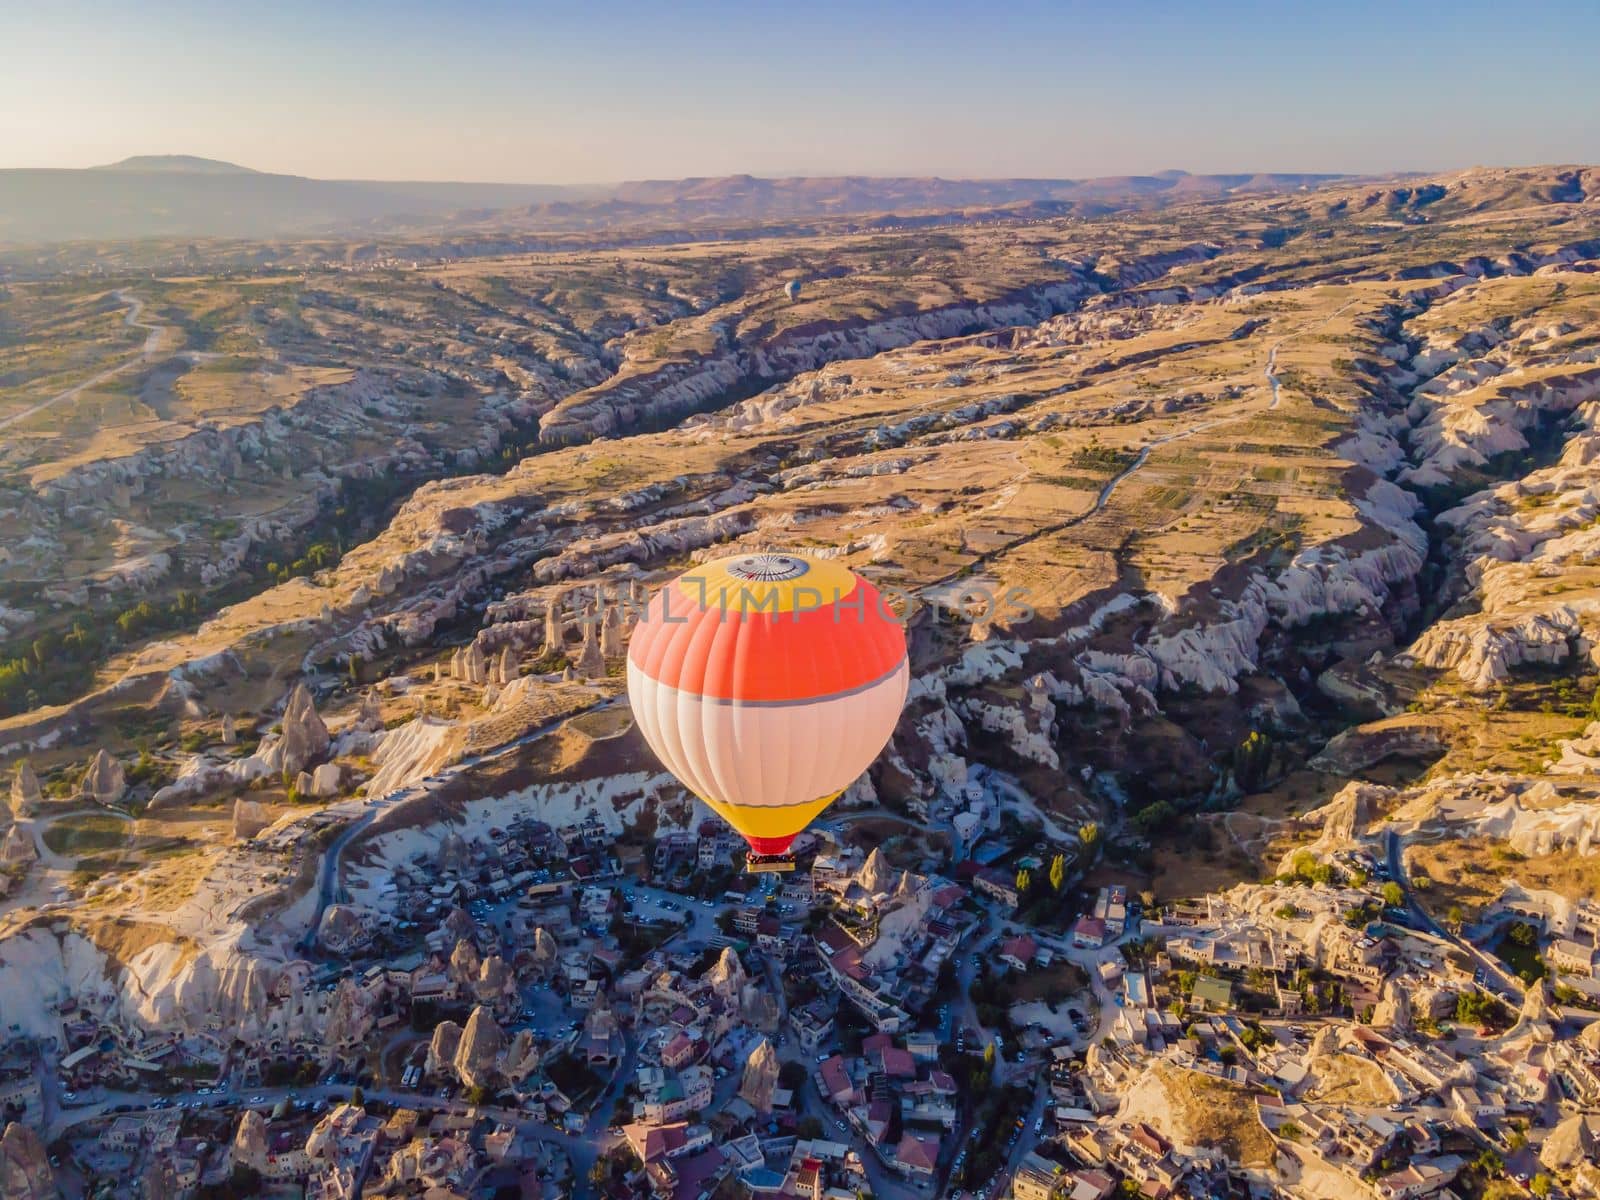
(767, 683)
(792, 289)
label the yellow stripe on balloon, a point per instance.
(715, 585)
(768, 821)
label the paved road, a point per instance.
(146, 353)
(1497, 979)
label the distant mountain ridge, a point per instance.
(183, 196)
(177, 162)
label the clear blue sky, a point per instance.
(536, 92)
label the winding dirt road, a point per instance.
(146, 353)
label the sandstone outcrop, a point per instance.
(104, 781)
(17, 849)
(351, 1015)
(544, 950)
(1572, 1143)
(760, 1077)
(345, 928)
(591, 662)
(25, 794)
(477, 1058)
(442, 1047)
(304, 738)
(250, 817)
(726, 977)
(25, 1172)
(555, 636)
(250, 1140)
(876, 875)
(1392, 1013)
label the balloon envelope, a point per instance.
(767, 683)
(792, 289)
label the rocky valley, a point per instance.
(1237, 539)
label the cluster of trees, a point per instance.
(997, 1116)
(1479, 1008)
(56, 666)
(1155, 818)
(317, 556)
(1252, 760)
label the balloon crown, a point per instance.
(768, 568)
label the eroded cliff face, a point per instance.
(668, 393)
(1208, 502)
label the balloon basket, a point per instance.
(761, 864)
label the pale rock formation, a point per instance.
(675, 390)
(464, 962)
(478, 1057)
(453, 852)
(1392, 1013)
(230, 730)
(726, 977)
(25, 794)
(469, 666)
(17, 848)
(25, 1172)
(442, 1047)
(555, 634)
(611, 632)
(876, 875)
(1573, 1143)
(495, 985)
(591, 662)
(1324, 1042)
(760, 1078)
(350, 1017)
(1589, 1039)
(1537, 1018)
(568, 675)
(1359, 748)
(759, 1008)
(103, 782)
(521, 1057)
(1483, 654)
(491, 696)
(1344, 822)
(370, 717)
(506, 667)
(458, 924)
(250, 817)
(344, 927)
(326, 780)
(544, 950)
(301, 741)
(250, 1140)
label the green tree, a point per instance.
(988, 1056)
(358, 1097)
(1155, 816)
(1058, 871)
(1089, 835)
(1540, 1185)
(1024, 879)
(1455, 918)
(1252, 759)
(1393, 895)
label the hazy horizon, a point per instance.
(535, 94)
